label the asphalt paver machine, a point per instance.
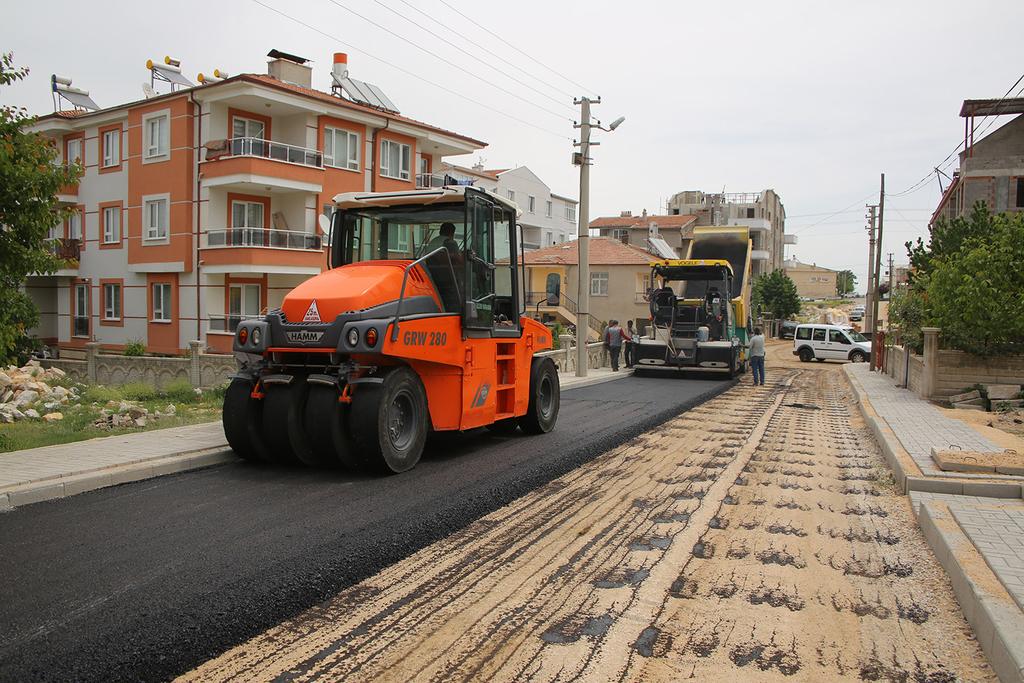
(417, 325)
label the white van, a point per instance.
(830, 342)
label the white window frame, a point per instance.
(111, 148)
(246, 124)
(403, 172)
(162, 310)
(570, 212)
(550, 208)
(511, 194)
(79, 155)
(148, 236)
(619, 233)
(76, 225)
(112, 236)
(599, 284)
(161, 150)
(111, 312)
(351, 163)
(243, 288)
(531, 203)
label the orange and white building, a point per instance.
(199, 207)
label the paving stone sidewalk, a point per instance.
(917, 423)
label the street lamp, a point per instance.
(583, 229)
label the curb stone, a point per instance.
(985, 602)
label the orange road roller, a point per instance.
(417, 325)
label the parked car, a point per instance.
(830, 342)
(857, 313)
(787, 329)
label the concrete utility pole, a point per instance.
(891, 279)
(878, 268)
(583, 160)
(871, 266)
(583, 235)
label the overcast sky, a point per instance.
(813, 99)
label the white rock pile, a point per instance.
(121, 414)
(26, 394)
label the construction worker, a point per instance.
(630, 349)
(613, 338)
(757, 356)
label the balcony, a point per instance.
(759, 255)
(247, 163)
(755, 224)
(69, 251)
(262, 250)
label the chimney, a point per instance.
(290, 68)
(625, 214)
(645, 212)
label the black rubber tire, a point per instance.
(326, 425)
(820, 360)
(282, 412)
(235, 417)
(504, 427)
(806, 355)
(389, 421)
(545, 398)
(858, 357)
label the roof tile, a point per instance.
(604, 251)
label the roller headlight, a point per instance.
(353, 337)
(257, 336)
(371, 337)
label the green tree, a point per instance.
(29, 182)
(846, 282)
(947, 237)
(908, 313)
(976, 293)
(775, 294)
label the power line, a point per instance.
(525, 54)
(835, 213)
(475, 44)
(449, 62)
(410, 73)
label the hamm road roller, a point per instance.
(417, 325)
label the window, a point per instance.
(570, 212)
(247, 223)
(599, 284)
(75, 225)
(74, 151)
(111, 301)
(837, 337)
(621, 234)
(156, 131)
(341, 149)
(423, 166)
(395, 159)
(819, 334)
(243, 303)
(531, 204)
(80, 321)
(1020, 193)
(111, 224)
(547, 212)
(162, 303)
(549, 239)
(511, 195)
(154, 218)
(398, 239)
(111, 148)
(803, 333)
(247, 128)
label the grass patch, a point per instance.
(77, 425)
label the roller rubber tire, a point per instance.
(545, 398)
(389, 421)
(806, 355)
(326, 426)
(235, 417)
(282, 410)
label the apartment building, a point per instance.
(199, 207)
(762, 212)
(992, 168)
(812, 281)
(547, 218)
(676, 230)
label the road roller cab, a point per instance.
(416, 326)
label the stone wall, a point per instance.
(200, 369)
(895, 367)
(565, 357)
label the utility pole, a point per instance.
(891, 279)
(583, 235)
(878, 268)
(868, 317)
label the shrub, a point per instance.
(138, 391)
(98, 393)
(136, 347)
(179, 391)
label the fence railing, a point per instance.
(264, 237)
(66, 249)
(279, 151)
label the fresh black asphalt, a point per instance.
(147, 580)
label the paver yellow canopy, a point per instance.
(417, 325)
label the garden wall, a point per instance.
(200, 369)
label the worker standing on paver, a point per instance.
(629, 349)
(613, 338)
(757, 356)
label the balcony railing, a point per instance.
(66, 249)
(265, 149)
(264, 237)
(228, 323)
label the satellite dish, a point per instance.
(148, 90)
(325, 224)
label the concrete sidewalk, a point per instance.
(37, 474)
(974, 523)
